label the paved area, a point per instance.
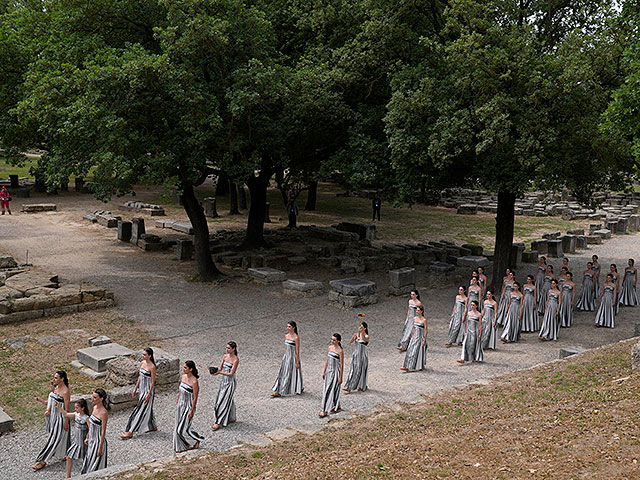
(195, 321)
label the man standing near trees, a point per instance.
(376, 204)
(292, 210)
(4, 200)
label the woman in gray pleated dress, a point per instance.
(568, 291)
(416, 356)
(458, 316)
(587, 300)
(57, 425)
(562, 277)
(542, 269)
(549, 328)
(185, 437)
(489, 316)
(414, 301)
(142, 417)
(628, 294)
(96, 458)
(289, 380)
(546, 286)
(78, 449)
(472, 345)
(475, 292)
(507, 288)
(358, 373)
(225, 410)
(598, 269)
(605, 316)
(513, 318)
(482, 278)
(530, 320)
(332, 375)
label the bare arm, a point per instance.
(233, 368)
(297, 351)
(153, 383)
(67, 407)
(103, 432)
(196, 390)
(341, 366)
(324, 371)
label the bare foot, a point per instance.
(217, 426)
(460, 361)
(39, 466)
(155, 429)
(323, 414)
(126, 435)
(404, 369)
(196, 445)
(275, 394)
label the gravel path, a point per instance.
(195, 321)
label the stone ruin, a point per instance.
(149, 208)
(27, 293)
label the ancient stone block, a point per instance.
(623, 224)
(210, 207)
(99, 340)
(164, 223)
(576, 231)
(279, 262)
(440, 267)
(581, 241)
(38, 207)
(568, 243)
(422, 257)
(106, 219)
(184, 249)
(552, 235)
(303, 286)
(515, 257)
(594, 240)
(593, 227)
(353, 265)
(365, 231)
(472, 262)
(402, 277)
(476, 250)
(6, 422)
(97, 357)
(184, 227)
(137, 229)
(267, 275)
(634, 223)
(569, 351)
(604, 233)
(555, 248)
(351, 301)
(7, 261)
(467, 209)
(529, 256)
(540, 246)
(124, 230)
(353, 286)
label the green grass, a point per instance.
(21, 171)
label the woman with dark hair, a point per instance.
(565, 263)
(57, 425)
(184, 437)
(605, 316)
(482, 279)
(458, 315)
(489, 315)
(530, 320)
(628, 294)
(549, 328)
(546, 286)
(475, 293)
(96, 441)
(587, 300)
(332, 375)
(225, 411)
(513, 318)
(78, 449)
(542, 268)
(416, 355)
(289, 380)
(357, 378)
(142, 417)
(613, 270)
(562, 277)
(568, 294)
(414, 301)
(598, 269)
(507, 288)
(472, 345)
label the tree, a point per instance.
(509, 98)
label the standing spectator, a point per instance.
(376, 203)
(292, 210)
(4, 200)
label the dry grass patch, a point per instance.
(27, 372)
(565, 420)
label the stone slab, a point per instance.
(17, 343)
(96, 358)
(351, 301)
(99, 340)
(569, 351)
(49, 339)
(441, 267)
(6, 422)
(38, 207)
(402, 277)
(280, 434)
(91, 373)
(635, 356)
(472, 261)
(267, 274)
(302, 285)
(604, 233)
(184, 227)
(353, 286)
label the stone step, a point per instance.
(96, 358)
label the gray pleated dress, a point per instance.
(416, 356)
(628, 294)
(566, 306)
(482, 287)
(606, 312)
(92, 461)
(225, 410)
(142, 417)
(408, 327)
(78, 449)
(546, 286)
(489, 336)
(539, 282)
(549, 329)
(511, 330)
(502, 306)
(473, 295)
(587, 300)
(530, 319)
(472, 345)
(184, 437)
(456, 327)
(58, 440)
(596, 268)
(289, 379)
(331, 389)
(358, 372)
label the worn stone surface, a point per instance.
(17, 343)
(441, 267)
(569, 243)
(6, 422)
(365, 231)
(99, 340)
(472, 261)
(353, 286)
(569, 351)
(210, 207)
(529, 256)
(402, 277)
(467, 209)
(540, 246)
(7, 261)
(303, 285)
(38, 207)
(555, 248)
(267, 275)
(96, 358)
(603, 233)
(124, 230)
(551, 235)
(184, 249)
(635, 356)
(351, 301)
(49, 339)
(594, 240)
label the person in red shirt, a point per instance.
(4, 200)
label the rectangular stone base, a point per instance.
(350, 301)
(39, 207)
(96, 358)
(266, 275)
(404, 290)
(6, 422)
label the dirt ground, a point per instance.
(575, 419)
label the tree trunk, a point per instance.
(242, 196)
(233, 199)
(312, 196)
(504, 238)
(255, 223)
(207, 270)
(222, 188)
